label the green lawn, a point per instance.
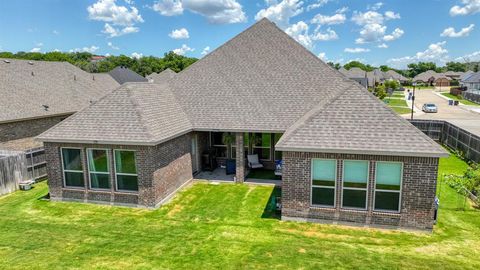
(401, 110)
(395, 102)
(222, 226)
(459, 98)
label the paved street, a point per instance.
(457, 115)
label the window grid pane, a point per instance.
(97, 160)
(100, 180)
(72, 160)
(125, 169)
(323, 196)
(323, 182)
(355, 183)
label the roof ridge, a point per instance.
(169, 87)
(139, 112)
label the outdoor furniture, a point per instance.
(253, 162)
(230, 166)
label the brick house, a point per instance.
(346, 156)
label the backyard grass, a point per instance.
(460, 99)
(223, 226)
(395, 102)
(401, 110)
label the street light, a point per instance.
(413, 99)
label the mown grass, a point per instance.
(460, 99)
(396, 102)
(222, 227)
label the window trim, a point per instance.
(317, 186)
(392, 191)
(352, 188)
(127, 174)
(74, 171)
(263, 147)
(89, 170)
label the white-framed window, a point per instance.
(72, 167)
(262, 145)
(126, 177)
(355, 184)
(216, 140)
(98, 168)
(388, 186)
(324, 175)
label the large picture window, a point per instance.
(323, 182)
(355, 182)
(262, 143)
(388, 182)
(72, 167)
(98, 168)
(126, 170)
(217, 143)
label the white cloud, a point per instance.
(475, 56)
(356, 50)
(376, 6)
(450, 32)
(325, 36)
(39, 44)
(369, 17)
(396, 34)
(317, 4)
(371, 33)
(382, 46)
(36, 49)
(55, 32)
(108, 11)
(469, 7)
(435, 53)
(281, 12)
(323, 56)
(183, 50)
(390, 15)
(338, 18)
(179, 34)
(56, 50)
(299, 32)
(168, 7)
(216, 11)
(90, 49)
(206, 50)
(113, 15)
(136, 55)
(110, 44)
(342, 10)
(116, 32)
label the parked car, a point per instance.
(429, 108)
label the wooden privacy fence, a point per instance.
(13, 170)
(452, 136)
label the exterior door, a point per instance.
(194, 152)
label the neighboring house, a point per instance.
(376, 77)
(393, 75)
(453, 75)
(36, 95)
(346, 156)
(472, 83)
(124, 74)
(97, 58)
(163, 76)
(427, 77)
(442, 81)
(465, 76)
(356, 74)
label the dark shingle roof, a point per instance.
(164, 76)
(25, 86)
(260, 81)
(474, 78)
(123, 75)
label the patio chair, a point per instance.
(253, 162)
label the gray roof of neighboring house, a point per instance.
(163, 76)
(25, 86)
(426, 76)
(392, 74)
(474, 78)
(124, 74)
(466, 75)
(354, 72)
(260, 81)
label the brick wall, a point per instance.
(417, 196)
(27, 128)
(161, 170)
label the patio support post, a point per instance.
(240, 160)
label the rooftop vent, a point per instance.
(45, 107)
(33, 74)
(6, 61)
(93, 77)
(74, 77)
(30, 62)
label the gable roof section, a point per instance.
(473, 78)
(135, 113)
(261, 80)
(164, 76)
(357, 122)
(25, 86)
(123, 75)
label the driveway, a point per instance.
(456, 115)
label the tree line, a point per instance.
(414, 68)
(143, 65)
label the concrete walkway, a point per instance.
(461, 116)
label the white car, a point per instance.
(429, 108)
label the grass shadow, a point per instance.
(270, 211)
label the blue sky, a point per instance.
(393, 32)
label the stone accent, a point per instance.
(161, 169)
(240, 160)
(417, 195)
(27, 128)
